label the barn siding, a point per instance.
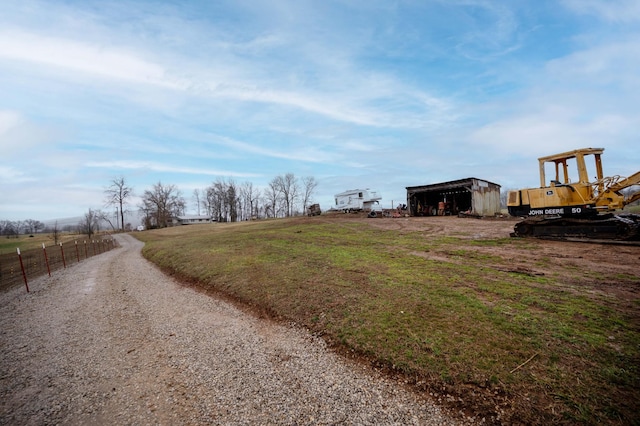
(484, 195)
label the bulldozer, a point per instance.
(581, 209)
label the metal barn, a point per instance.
(471, 196)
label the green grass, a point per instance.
(463, 323)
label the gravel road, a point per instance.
(113, 340)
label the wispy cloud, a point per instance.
(20, 137)
(78, 56)
(618, 11)
(614, 62)
(11, 174)
(165, 168)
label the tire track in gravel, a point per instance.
(114, 341)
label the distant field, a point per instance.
(528, 331)
(26, 242)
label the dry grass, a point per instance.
(27, 242)
(453, 315)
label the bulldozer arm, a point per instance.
(634, 179)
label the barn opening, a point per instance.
(471, 196)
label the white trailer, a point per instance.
(358, 199)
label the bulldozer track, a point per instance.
(593, 241)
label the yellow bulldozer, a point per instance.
(580, 209)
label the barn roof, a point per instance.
(454, 184)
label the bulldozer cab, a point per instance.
(561, 166)
(564, 166)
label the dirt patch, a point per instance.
(574, 263)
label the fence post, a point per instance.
(77, 255)
(64, 264)
(86, 253)
(46, 259)
(93, 244)
(24, 274)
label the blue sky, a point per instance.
(380, 94)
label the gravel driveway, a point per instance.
(112, 340)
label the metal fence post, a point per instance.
(24, 274)
(64, 264)
(46, 259)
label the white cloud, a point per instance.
(617, 11)
(298, 72)
(547, 133)
(13, 175)
(20, 137)
(83, 57)
(303, 153)
(613, 62)
(8, 121)
(164, 168)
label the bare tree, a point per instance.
(102, 216)
(216, 200)
(287, 186)
(232, 201)
(250, 199)
(309, 184)
(272, 197)
(223, 201)
(147, 216)
(19, 225)
(196, 196)
(9, 228)
(90, 224)
(118, 192)
(161, 203)
(32, 226)
(55, 233)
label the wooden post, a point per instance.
(77, 254)
(24, 274)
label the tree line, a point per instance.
(228, 201)
(224, 200)
(13, 228)
(90, 225)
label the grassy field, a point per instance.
(446, 313)
(27, 242)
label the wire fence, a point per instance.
(21, 267)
